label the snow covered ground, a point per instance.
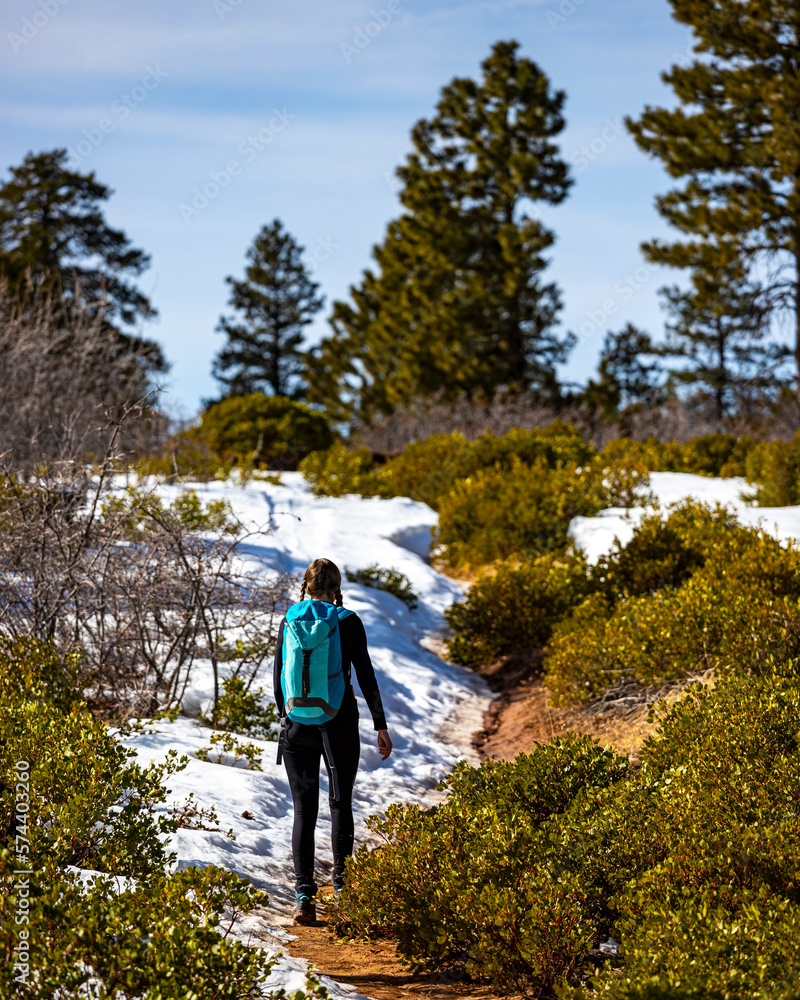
(433, 707)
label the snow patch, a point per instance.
(596, 536)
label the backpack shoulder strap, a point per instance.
(343, 613)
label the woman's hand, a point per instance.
(384, 743)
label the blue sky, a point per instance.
(302, 110)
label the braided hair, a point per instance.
(322, 577)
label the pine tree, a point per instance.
(624, 377)
(457, 302)
(274, 302)
(734, 142)
(717, 330)
(52, 226)
(53, 233)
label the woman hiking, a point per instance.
(319, 642)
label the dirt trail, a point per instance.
(373, 968)
(520, 717)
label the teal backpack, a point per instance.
(312, 678)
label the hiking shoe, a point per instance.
(305, 912)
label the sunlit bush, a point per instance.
(429, 470)
(461, 881)
(382, 578)
(527, 866)
(630, 595)
(521, 512)
(263, 431)
(340, 471)
(515, 608)
(731, 614)
(773, 468)
(666, 548)
(134, 930)
(706, 455)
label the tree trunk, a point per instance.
(722, 376)
(797, 314)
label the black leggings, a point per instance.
(301, 755)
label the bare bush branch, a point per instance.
(64, 375)
(145, 589)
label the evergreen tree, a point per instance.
(734, 142)
(457, 302)
(52, 226)
(717, 329)
(274, 302)
(624, 377)
(53, 233)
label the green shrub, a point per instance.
(556, 446)
(88, 804)
(518, 608)
(427, 470)
(228, 750)
(704, 951)
(664, 550)
(691, 860)
(774, 469)
(508, 496)
(518, 513)
(338, 472)
(625, 451)
(244, 712)
(705, 455)
(263, 431)
(719, 455)
(159, 939)
(431, 470)
(184, 455)
(31, 671)
(734, 611)
(710, 902)
(712, 725)
(449, 876)
(515, 608)
(736, 463)
(391, 580)
(652, 641)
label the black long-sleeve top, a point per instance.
(354, 654)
